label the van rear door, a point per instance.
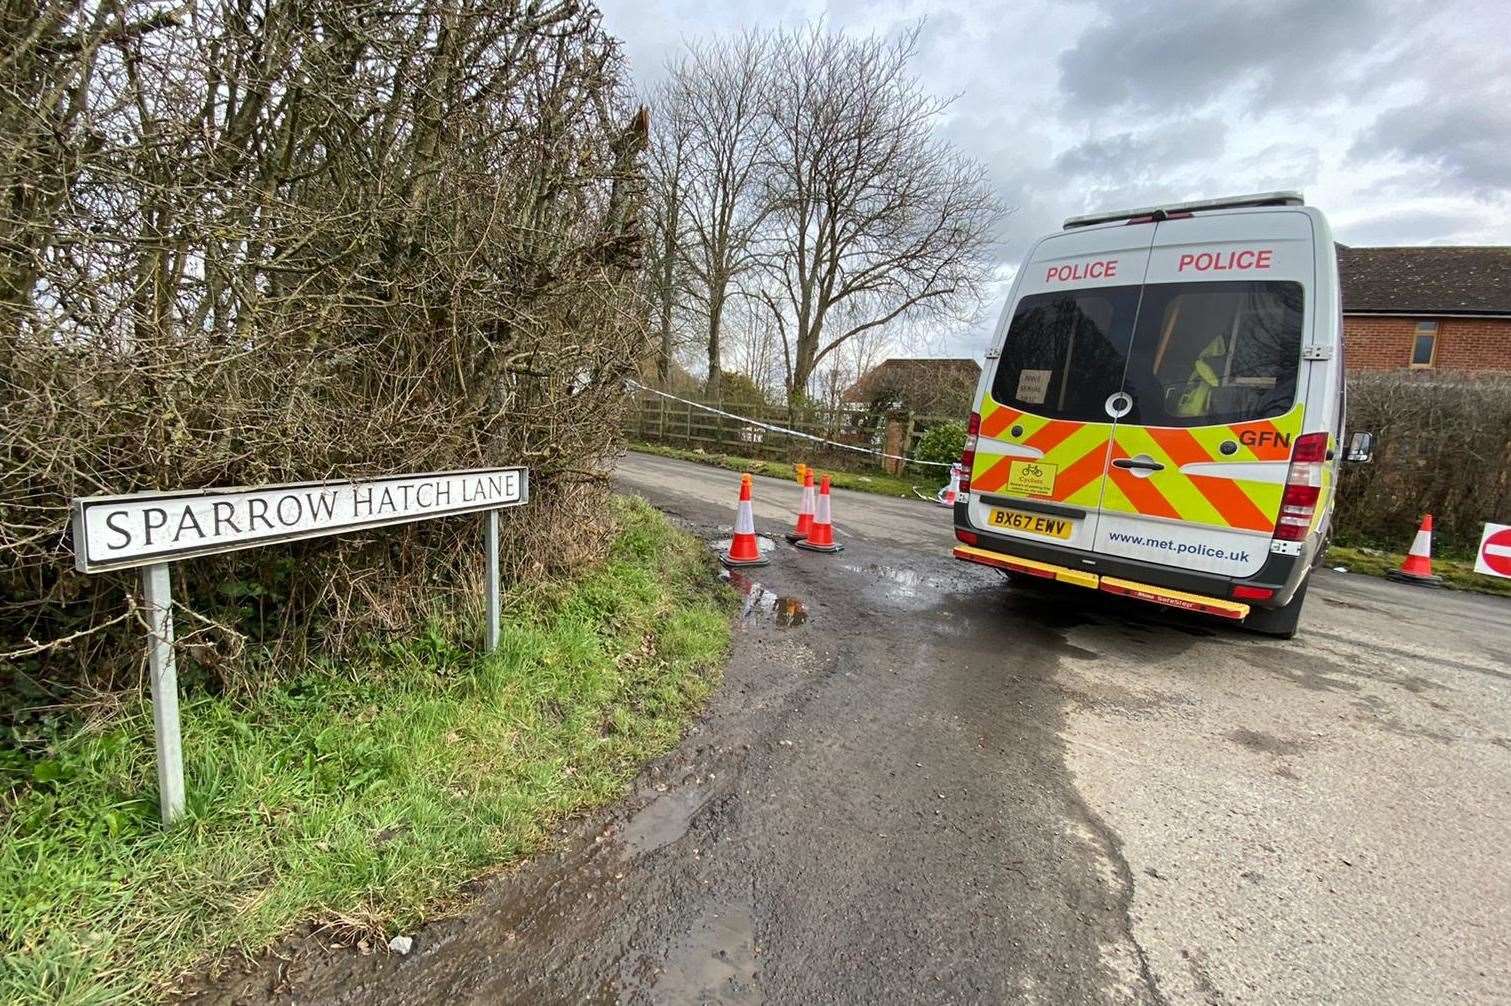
(1042, 452)
(1214, 388)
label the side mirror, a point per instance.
(1361, 447)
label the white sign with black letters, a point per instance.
(118, 532)
(151, 530)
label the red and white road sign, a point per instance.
(1495, 551)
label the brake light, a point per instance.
(1157, 216)
(1303, 487)
(1243, 592)
(968, 456)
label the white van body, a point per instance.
(1162, 406)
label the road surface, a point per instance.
(921, 783)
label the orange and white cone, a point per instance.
(951, 492)
(1417, 566)
(821, 534)
(804, 525)
(744, 550)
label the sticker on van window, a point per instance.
(1036, 478)
(1033, 385)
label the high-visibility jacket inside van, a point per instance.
(1161, 408)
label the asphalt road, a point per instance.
(921, 783)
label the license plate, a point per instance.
(1032, 523)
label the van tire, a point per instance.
(1281, 623)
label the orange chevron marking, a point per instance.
(1232, 502)
(1226, 497)
(1000, 420)
(995, 477)
(1079, 473)
(1182, 447)
(1055, 433)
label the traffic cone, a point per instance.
(1417, 566)
(948, 495)
(804, 511)
(821, 535)
(744, 550)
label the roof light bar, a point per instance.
(1285, 198)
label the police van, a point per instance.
(1162, 409)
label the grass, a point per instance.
(1457, 574)
(357, 798)
(882, 485)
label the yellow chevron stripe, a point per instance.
(1189, 502)
(1113, 498)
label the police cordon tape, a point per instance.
(784, 430)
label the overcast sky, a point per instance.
(1394, 118)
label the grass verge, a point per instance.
(357, 797)
(1457, 574)
(882, 485)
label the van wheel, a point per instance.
(1280, 623)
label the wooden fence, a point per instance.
(657, 420)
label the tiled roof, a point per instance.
(1426, 280)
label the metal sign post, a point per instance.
(157, 586)
(490, 642)
(150, 530)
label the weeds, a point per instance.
(1457, 574)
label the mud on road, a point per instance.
(921, 783)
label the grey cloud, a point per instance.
(1282, 166)
(1189, 53)
(1415, 226)
(1464, 136)
(1131, 154)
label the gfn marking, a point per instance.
(1264, 438)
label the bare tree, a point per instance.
(666, 163)
(755, 344)
(280, 240)
(715, 97)
(873, 218)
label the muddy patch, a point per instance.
(1258, 740)
(714, 961)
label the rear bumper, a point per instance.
(1169, 585)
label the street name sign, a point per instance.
(150, 530)
(118, 532)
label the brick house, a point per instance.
(924, 386)
(1427, 308)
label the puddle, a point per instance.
(903, 586)
(763, 543)
(714, 962)
(760, 602)
(662, 821)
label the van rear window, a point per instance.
(1215, 353)
(1189, 354)
(1065, 353)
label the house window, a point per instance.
(1424, 346)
